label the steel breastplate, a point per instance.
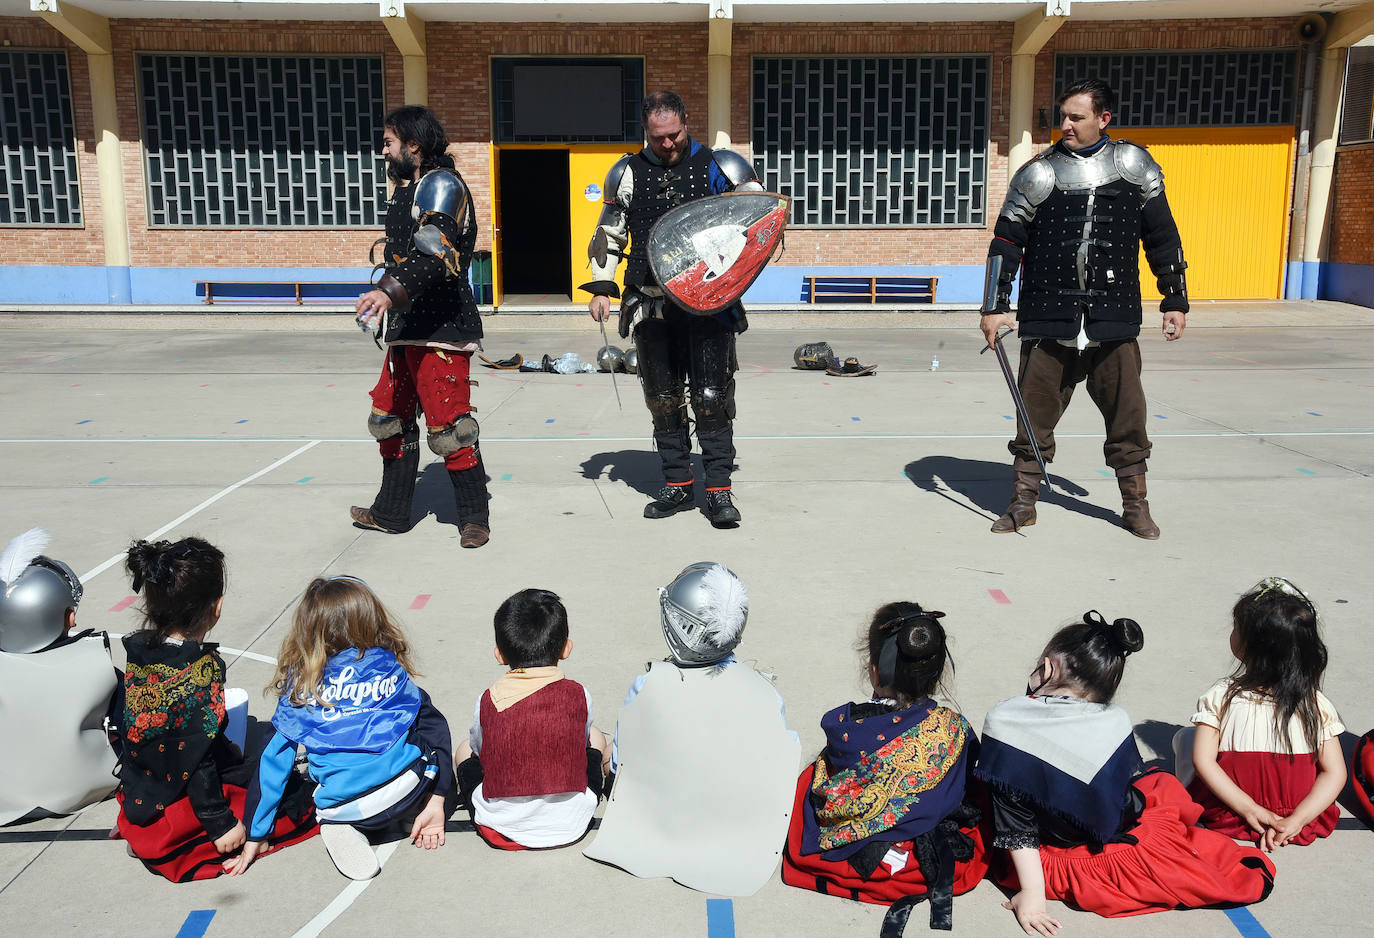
(657, 189)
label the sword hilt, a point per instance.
(1001, 334)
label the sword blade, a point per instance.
(605, 343)
(1021, 408)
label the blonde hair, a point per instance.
(335, 614)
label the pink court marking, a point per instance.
(420, 601)
(999, 597)
(124, 603)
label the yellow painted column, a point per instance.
(91, 33)
(408, 33)
(1029, 36)
(718, 78)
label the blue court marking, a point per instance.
(1313, 413)
(80, 422)
(304, 479)
(856, 419)
(720, 918)
(196, 923)
(1160, 417)
(1104, 472)
(549, 420)
(99, 480)
(507, 477)
(1246, 924)
(1008, 417)
(1308, 471)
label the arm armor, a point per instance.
(1028, 189)
(1137, 166)
(442, 192)
(737, 170)
(611, 236)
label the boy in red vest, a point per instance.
(531, 770)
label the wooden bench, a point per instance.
(281, 291)
(878, 289)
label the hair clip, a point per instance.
(1278, 584)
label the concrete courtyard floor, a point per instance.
(249, 431)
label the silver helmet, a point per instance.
(703, 612)
(609, 358)
(37, 593)
(632, 361)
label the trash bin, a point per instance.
(480, 274)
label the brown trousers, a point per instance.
(1047, 375)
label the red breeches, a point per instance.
(438, 382)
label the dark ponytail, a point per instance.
(181, 582)
(1093, 653)
(906, 645)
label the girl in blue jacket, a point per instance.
(377, 747)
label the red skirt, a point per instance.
(884, 887)
(1276, 782)
(177, 847)
(1175, 865)
(1362, 774)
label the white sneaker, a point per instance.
(350, 851)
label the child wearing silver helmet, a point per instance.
(700, 714)
(57, 689)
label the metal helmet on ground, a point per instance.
(609, 358)
(632, 361)
(36, 593)
(814, 356)
(703, 612)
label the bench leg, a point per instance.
(209, 298)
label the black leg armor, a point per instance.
(470, 494)
(713, 368)
(391, 507)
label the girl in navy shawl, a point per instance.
(878, 816)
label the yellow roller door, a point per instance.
(1229, 190)
(587, 168)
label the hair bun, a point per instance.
(1127, 635)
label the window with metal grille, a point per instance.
(262, 141)
(39, 182)
(1188, 89)
(1357, 108)
(566, 100)
(874, 141)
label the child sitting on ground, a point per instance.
(378, 748)
(878, 817)
(706, 764)
(531, 768)
(1265, 751)
(1081, 827)
(182, 782)
(58, 690)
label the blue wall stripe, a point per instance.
(720, 918)
(196, 923)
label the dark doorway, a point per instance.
(535, 225)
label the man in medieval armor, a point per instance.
(1073, 222)
(675, 347)
(425, 312)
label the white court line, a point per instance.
(201, 507)
(344, 899)
(1183, 435)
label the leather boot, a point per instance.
(1135, 510)
(390, 511)
(1021, 512)
(470, 496)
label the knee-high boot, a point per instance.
(390, 510)
(470, 496)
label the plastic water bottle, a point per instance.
(935, 363)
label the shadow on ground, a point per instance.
(984, 487)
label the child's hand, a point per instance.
(233, 840)
(1032, 915)
(1260, 820)
(428, 829)
(240, 863)
(1281, 831)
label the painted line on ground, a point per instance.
(124, 603)
(419, 602)
(99, 480)
(999, 597)
(344, 899)
(196, 924)
(201, 507)
(720, 918)
(1307, 471)
(1181, 435)
(1246, 923)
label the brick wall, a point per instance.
(1352, 218)
(460, 93)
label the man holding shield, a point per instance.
(677, 345)
(1074, 220)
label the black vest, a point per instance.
(444, 310)
(658, 188)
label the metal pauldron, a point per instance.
(439, 191)
(736, 168)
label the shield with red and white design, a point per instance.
(706, 253)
